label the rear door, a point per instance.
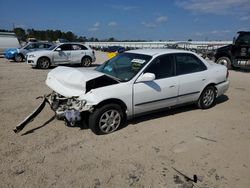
(78, 51)
(62, 56)
(161, 92)
(192, 77)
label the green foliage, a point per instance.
(20, 33)
(53, 35)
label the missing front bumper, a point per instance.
(31, 117)
(67, 109)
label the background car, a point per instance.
(118, 49)
(133, 83)
(8, 40)
(66, 53)
(18, 54)
(114, 51)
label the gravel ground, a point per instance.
(213, 144)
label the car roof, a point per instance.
(72, 43)
(156, 52)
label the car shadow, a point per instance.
(41, 126)
(156, 114)
(170, 112)
(140, 119)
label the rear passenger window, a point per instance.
(41, 46)
(83, 47)
(78, 47)
(188, 63)
(65, 47)
(162, 67)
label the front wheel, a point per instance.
(225, 61)
(86, 62)
(18, 58)
(106, 119)
(207, 98)
(43, 63)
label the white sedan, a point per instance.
(67, 53)
(133, 83)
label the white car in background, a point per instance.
(66, 53)
(132, 83)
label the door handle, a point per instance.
(172, 86)
(203, 79)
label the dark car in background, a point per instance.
(18, 54)
(118, 49)
(236, 55)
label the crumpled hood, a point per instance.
(69, 81)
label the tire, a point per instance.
(18, 58)
(207, 98)
(86, 62)
(43, 63)
(106, 119)
(225, 61)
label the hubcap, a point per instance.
(110, 121)
(87, 62)
(18, 58)
(44, 63)
(208, 97)
(223, 62)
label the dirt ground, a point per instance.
(214, 144)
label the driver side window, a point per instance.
(243, 40)
(162, 67)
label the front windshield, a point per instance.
(29, 46)
(124, 66)
(52, 47)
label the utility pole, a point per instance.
(13, 25)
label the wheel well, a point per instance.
(44, 57)
(211, 84)
(86, 56)
(114, 101)
(21, 55)
(222, 55)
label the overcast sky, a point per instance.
(131, 19)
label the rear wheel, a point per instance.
(18, 58)
(106, 119)
(86, 62)
(43, 63)
(207, 98)
(225, 61)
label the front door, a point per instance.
(63, 55)
(159, 93)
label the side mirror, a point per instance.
(58, 49)
(146, 77)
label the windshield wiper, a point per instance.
(114, 78)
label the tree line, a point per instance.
(53, 35)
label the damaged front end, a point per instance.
(67, 109)
(69, 86)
